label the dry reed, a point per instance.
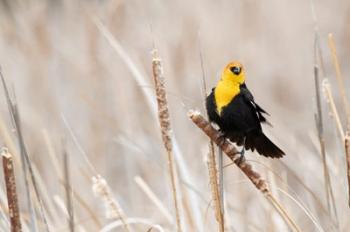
(12, 198)
(25, 161)
(217, 189)
(319, 124)
(245, 167)
(164, 120)
(339, 75)
(150, 194)
(341, 86)
(329, 98)
(68, 188)
(347, 153)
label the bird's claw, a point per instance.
(241, 158)
(221, 139)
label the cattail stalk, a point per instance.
(245, 167)
(12, 199)
(164, 120)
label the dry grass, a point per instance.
(81, 72)
(214, 186)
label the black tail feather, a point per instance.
(263, 145)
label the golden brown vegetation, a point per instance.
(86, 123)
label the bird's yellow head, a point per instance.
(229, 85)
(234, 72)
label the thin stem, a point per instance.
(217, 187)
(347, 152)
(339, 76)
(69, 198)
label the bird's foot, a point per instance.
(241, 158)
(221, 139)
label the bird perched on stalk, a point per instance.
(232, 107)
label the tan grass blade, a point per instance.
(245, 167)
(304, 209)
(137, 221)
(150, 194)
(339, 75)
(329, 97)
(68, 188)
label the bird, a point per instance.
(232, 107)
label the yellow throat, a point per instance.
(229, 85)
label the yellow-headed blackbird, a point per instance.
(232, 107)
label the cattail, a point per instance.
(12, 199)
(164, 120)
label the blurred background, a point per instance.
(90, 92)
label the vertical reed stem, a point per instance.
(69, 197)
(217, 187)
(347, 152)
(319, 126)
(339, 76)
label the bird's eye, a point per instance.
(236, 70)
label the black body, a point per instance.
(240, 121)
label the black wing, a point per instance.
(258, 140)
(248, 96)
(211, 109)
